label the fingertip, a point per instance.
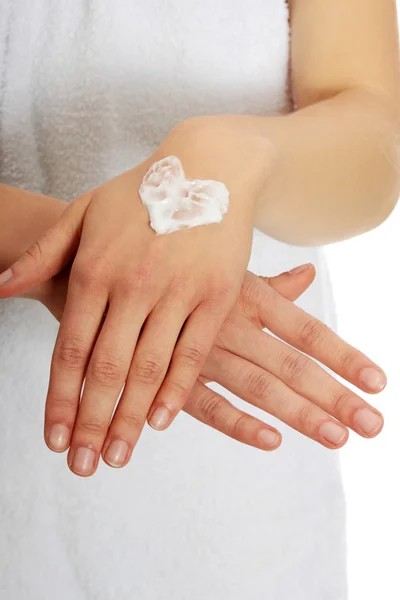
(373, 379)
(311, 273)
(269, 439)
(368, 422)
(57, 437)
(301, 269)
(160, 418)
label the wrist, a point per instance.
(227, 148)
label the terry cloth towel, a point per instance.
(88, 89)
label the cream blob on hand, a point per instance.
(174, 202)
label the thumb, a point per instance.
(49, 254)
(293, 283)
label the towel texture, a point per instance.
(89, 88)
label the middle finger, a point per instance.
(149, 366)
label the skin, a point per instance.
(276, 168)
(262, 370)
(164, 305)
(257, 377)
(339, 152)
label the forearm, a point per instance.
(332, 171)
(336, 173)
(24, 216)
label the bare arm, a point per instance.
(337, 170)
(336, 174)
(334, 169)
(24, 217)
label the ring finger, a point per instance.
(266, 391)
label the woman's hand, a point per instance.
(165, 297)
(275, 377)
(263, 371)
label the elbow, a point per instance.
(389, 163)
(381, 179)
(389, 194)
(387, 207)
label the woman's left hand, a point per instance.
(264, 371)
(164, 297)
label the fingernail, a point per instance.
(116, 453)
(268, 437)
(58, 437)
(160, 417)
(83, 461)
(5, 276)
(367, 421)
(299, 269)
(332, 432)
(373, 379)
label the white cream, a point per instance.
(174, 202)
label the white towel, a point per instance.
(89, 89)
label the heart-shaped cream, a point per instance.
(174, 202)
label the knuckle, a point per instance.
(341, 401)
(67, 403)
(138, 282)
(249, 291)
(106, 370)
(178, 287)
(346, 359)
(254, 291)
(259, 384)
(211, 406)
(312, 333)
(178, 388)
(239, 427)
(219, 296)
(147, 369)
(125, 290)
(142, 273)
(35, 252)
(223, 290)
(132, 420)
(92, 271)
(71, 353)
(305, 416)
(192, 356)
(294, 367)
(94, 427)
(256, 298)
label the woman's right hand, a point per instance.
(265, 371)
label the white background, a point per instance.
(365, 272)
